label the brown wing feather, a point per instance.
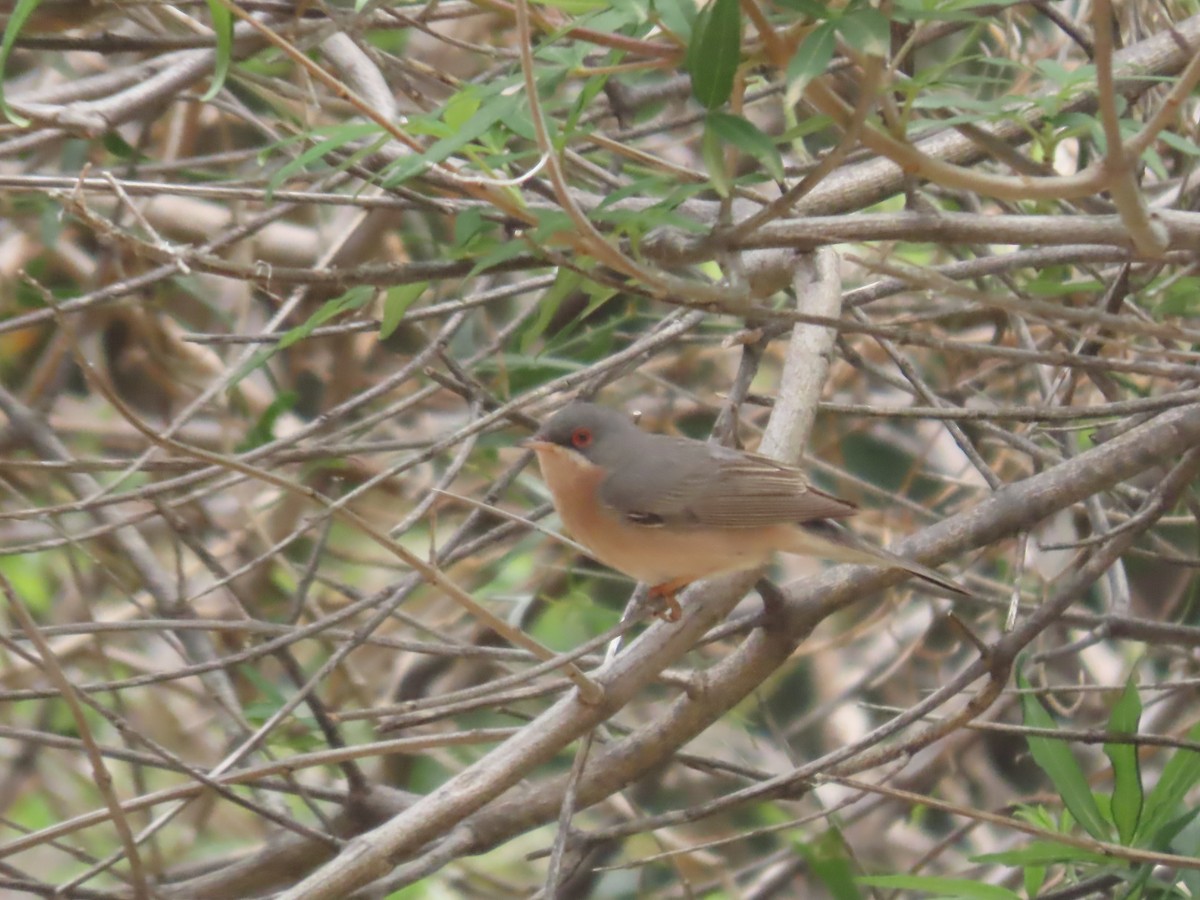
(756, 492)
(696, 485)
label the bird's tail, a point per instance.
(827, 539)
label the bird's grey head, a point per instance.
(601, 435)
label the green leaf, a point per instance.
(396, 304)
(1127, 796)
(1180, 298)
(583, 102)
(16, 21)
(598, 294)
(1154, 162)
(745, 135)
(942, 887)
(263, 431)
(867, 30)
(565, 281)
(677, 16)
(1033, 877)
(712, 151)
(551, 223)
(1042, 853)
(460, 108)
(468, 225)
(222, 20)
(1166, 836)
(501, 253)
(1066, 77)
(338, 138)
(811, 58)
(811, 8)
(1179, 776)
(34, 579)
(574, 7)
(691, 58)
(829, 861)
(120, 148)
(1179, 142)
(497, 107)
(354, 298)
(715, 52)
(1056, 760)
(256, 360)
(1188, 844)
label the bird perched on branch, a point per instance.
(670, 510)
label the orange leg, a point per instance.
(668, 610)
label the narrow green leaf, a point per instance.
(1155, 163)
(1127, 796)
(396, 304)
(811, 8)
(574, 7)
(222, 20)
(582, 103)
(746, 136)
(715, 52)
(468, 225)
(829, 861)
(1056, 760)
(501, 253)
(565, 281)
(256, 360)
(355, 298)
(867, 30)
(678, 16)
(692, 58)
(121, 148)
(16, 21)
(1167, 836)
(337, 139)
(497, 107)
(1180, 298)
(945, 887)
(1033, 877)
(811, 58)
(460, 108)
(263, 431)
(1179, 776)
(712, 152)
(551, 224)
(1179, 142)
(1187, 843)
(598, 294)
(1042, 853)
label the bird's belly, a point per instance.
(652, 554)
(658, 555)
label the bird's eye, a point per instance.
(581, 438)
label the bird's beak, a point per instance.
(533, 442)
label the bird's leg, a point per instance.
(668, 609)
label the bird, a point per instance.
(669, 510)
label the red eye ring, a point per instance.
(581, 438)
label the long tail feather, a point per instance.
(829, 540)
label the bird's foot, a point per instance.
(662, 596)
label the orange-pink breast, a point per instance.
(655, 555)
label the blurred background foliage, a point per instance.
(282, 285)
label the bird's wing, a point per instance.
(707, 486)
